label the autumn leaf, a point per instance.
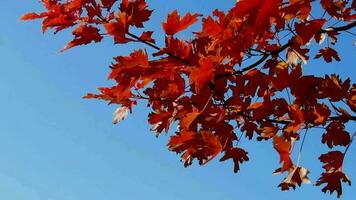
(333, 175)
(204, 146)
(238, 155)
(336, 135)
(135, 12)
(118, 30)
(30, 16)
(84, 34)
(147, 36)
(297, 117)
(203, 74)
(175, 23)
(307, 30)
(188, 120)
(333, 181)
(283, 147)
(328, 54)
(229, 77)
(120, 114)
(296, 176)
(160, 120)
(107, 3)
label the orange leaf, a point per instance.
(328, 54)
(176, 24)
(84, 34)
(283, 147)
(30, 16)
(201, 75)
(238, 155)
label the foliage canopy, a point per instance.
(241, 73)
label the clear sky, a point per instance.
(54, 145)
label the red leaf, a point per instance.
(328, 54)
(238, 155)
(188, 120)
(135, 12)
(160, 120)
(203, 145)
(176, 47)
(175, 24)
(84, 34)
(333, 175)
(250, 128)
(333, 182)
(296, 176)
(307, 30)
(334, 88)
(107, 3)
(283, 147)
(201, 75)
(118, 30)
(30, 16)
(351, 99)
(210, 27)
(297, 117)
(336, 135)
(332, 160)
(147, 36)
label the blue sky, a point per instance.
(54, 145)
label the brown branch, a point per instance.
(253, 65)
(286, 122)
(348, 146)
(339, 28)
(157, 48)
(258, 62)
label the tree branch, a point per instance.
(339, 28)
(157, 48)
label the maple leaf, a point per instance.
(336, 135)
(296, 176)
(188, 119)
(250, 128)
(118, 30)
(107, 3)
(147, 36)
(84, 34)
(175, 24)
(307, 30)
(297, 117)
(135, 12)
(328, 54)
(295, 53)
(267, 131)
(268, 10)
(318, 114)
(176, 47)
(351, 99)
(297, 9)
(203, 145)
(238, 155)
(283, 147)
(333, 88)
(333, 175)
(211, 27)
(30, 16)
(333, 182)
(160, 120)
(125, 65)
(332, 160)
(200, 76)
(120, 114)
